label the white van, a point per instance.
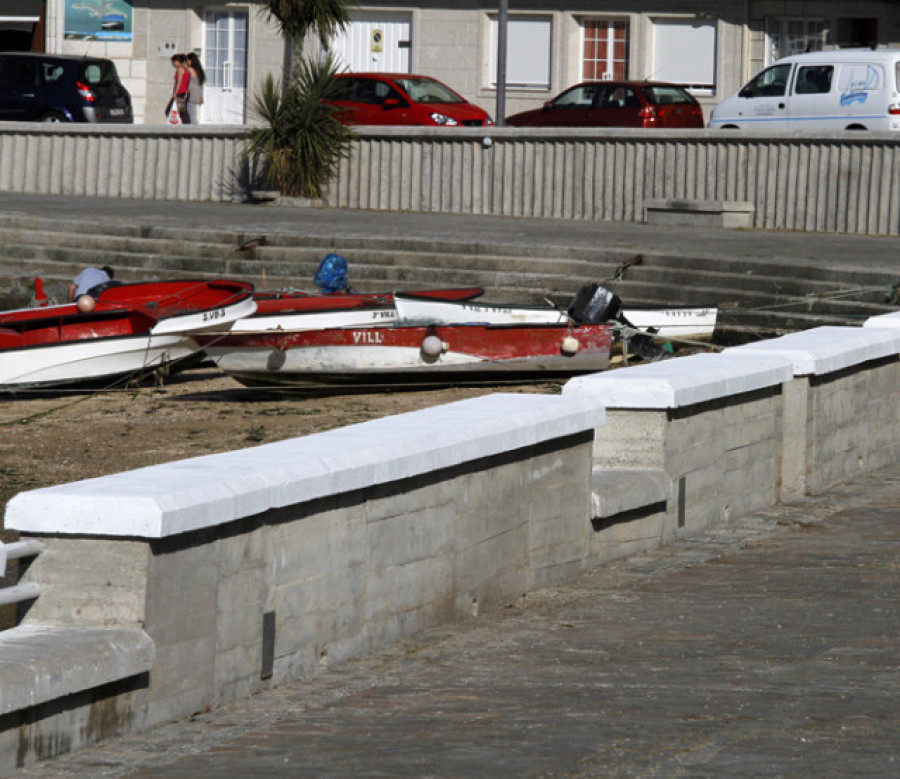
(849, 89)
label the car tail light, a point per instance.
(648, 115)
(85, 91)
(894, 109)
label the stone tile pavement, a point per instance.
(766, 647)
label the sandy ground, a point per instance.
(48, 439)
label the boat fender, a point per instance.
(570, 345)
(432, 346)
(85, 304)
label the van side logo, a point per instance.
(857, 90)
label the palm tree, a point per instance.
(297, 17)
(299, 138)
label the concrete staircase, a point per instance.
(756, 298)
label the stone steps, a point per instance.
(757, 294)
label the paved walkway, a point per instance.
(789, 247)
(768, 647)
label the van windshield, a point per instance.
(772, 82)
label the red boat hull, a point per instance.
(132, 328)
(393, 356)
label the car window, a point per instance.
(51, 72)
(814, 80)
(621, 97)
(667, 95)
(343, 89)
(99, 73)
(772, 82)
(427, 90)
(18, 73)
(577, 97)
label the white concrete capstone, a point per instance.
(884, 320)
(2, 559)
(824, 350)
(178, 497)
(683, 381)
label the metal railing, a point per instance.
(19, 593)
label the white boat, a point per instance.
(413, 309)
(685, 323)
(676, 322)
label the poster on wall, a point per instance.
(98, 20)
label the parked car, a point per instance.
(850, 89)
(616, 104)
(56, 88)
(403, 98)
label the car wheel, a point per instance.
(857, 127)
(52, 116)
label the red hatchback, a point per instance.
(403, 98)
(616, 104)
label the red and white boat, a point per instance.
(290, 310)
(132, 328)
(396, 356)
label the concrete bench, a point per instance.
(617, 490)
(40, 664)
(699, 213)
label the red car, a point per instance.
(403, 98)
(616, 104)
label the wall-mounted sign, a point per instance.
(377, 41)
(98, 20)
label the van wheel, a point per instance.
(730, 127)
(857, 127)
(52, 116)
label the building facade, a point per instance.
(712, 48)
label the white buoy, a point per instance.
(570, 345)
(85, 304)
(432, 346)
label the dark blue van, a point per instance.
(58, 88)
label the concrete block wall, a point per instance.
(351, 539)
(711, 423)
(361, 536)
(842, 404)
(559, 173)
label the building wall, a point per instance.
(452, 41)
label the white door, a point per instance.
(375, 42)
(225, 61)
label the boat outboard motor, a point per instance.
(331, 275)
(594, 305)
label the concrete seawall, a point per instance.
(832, 182)
(260, 566)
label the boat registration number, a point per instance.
(212, 316)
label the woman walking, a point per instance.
(181, 88)
(198, 79)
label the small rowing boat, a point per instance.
(128, 329)
(397, 356)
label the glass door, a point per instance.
(225, 61)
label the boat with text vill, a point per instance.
(127, 330)
(396, 356)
